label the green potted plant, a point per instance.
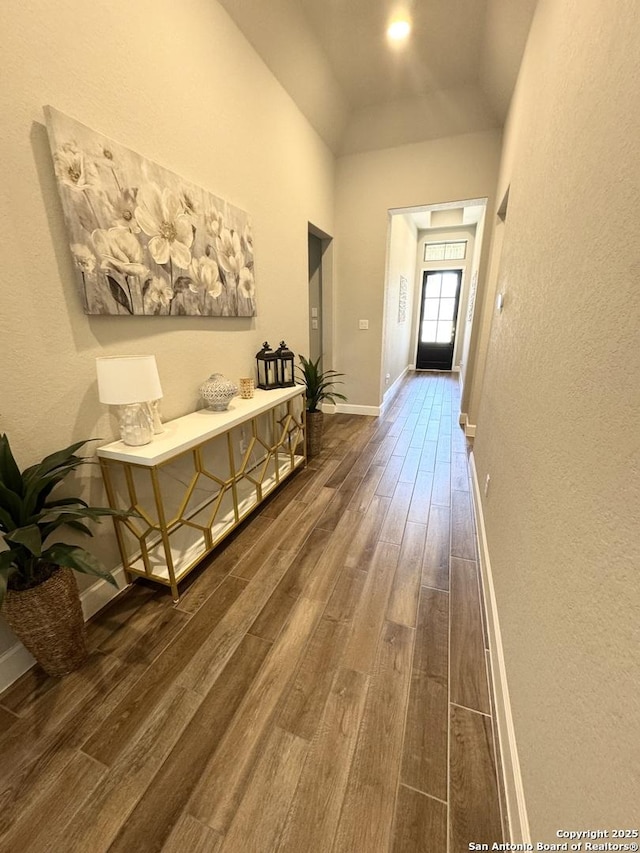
(319, 386)
(38, 591)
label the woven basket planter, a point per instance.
(48, 620)
(315, 424)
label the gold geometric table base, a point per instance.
(189, 502)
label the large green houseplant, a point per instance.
(319, 386)
(38, 591)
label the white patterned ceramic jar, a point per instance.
(218, 392)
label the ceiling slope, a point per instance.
(280, 34)
(456, 74)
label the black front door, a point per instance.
(438, 314)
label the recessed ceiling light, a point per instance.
(399, 30)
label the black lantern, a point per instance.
(267, 362)
(285, 366)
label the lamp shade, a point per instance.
(126, 379)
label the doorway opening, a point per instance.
(315, 297)
(422, 310)
(320, 247)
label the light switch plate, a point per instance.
(363, 324)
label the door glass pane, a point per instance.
(431, 309)
(447, 307)
(433, 286)
(429, 329)
(443, 335)
(449, 283)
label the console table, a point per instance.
(196, 481)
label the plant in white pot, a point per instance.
(319, 386)
(38, 591)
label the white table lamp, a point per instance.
(132, 383)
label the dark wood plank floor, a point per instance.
(321, 686)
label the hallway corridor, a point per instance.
(321, 686)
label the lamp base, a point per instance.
(136, 425)
(156, 418)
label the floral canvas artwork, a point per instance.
(145, 241)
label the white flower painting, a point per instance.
(145, 241)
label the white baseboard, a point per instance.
(469, 429)
(514, 790)
(393, 389)
(348, 409)
(17, 660)
(14, 663)
(372, 411)
(99, 594)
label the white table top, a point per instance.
(190, 430)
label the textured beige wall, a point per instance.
(401, 260)
(472, 395)
(558, 424)
(369, 185)
(179, 84)
(470, 375)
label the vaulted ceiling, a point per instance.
(455, 74)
